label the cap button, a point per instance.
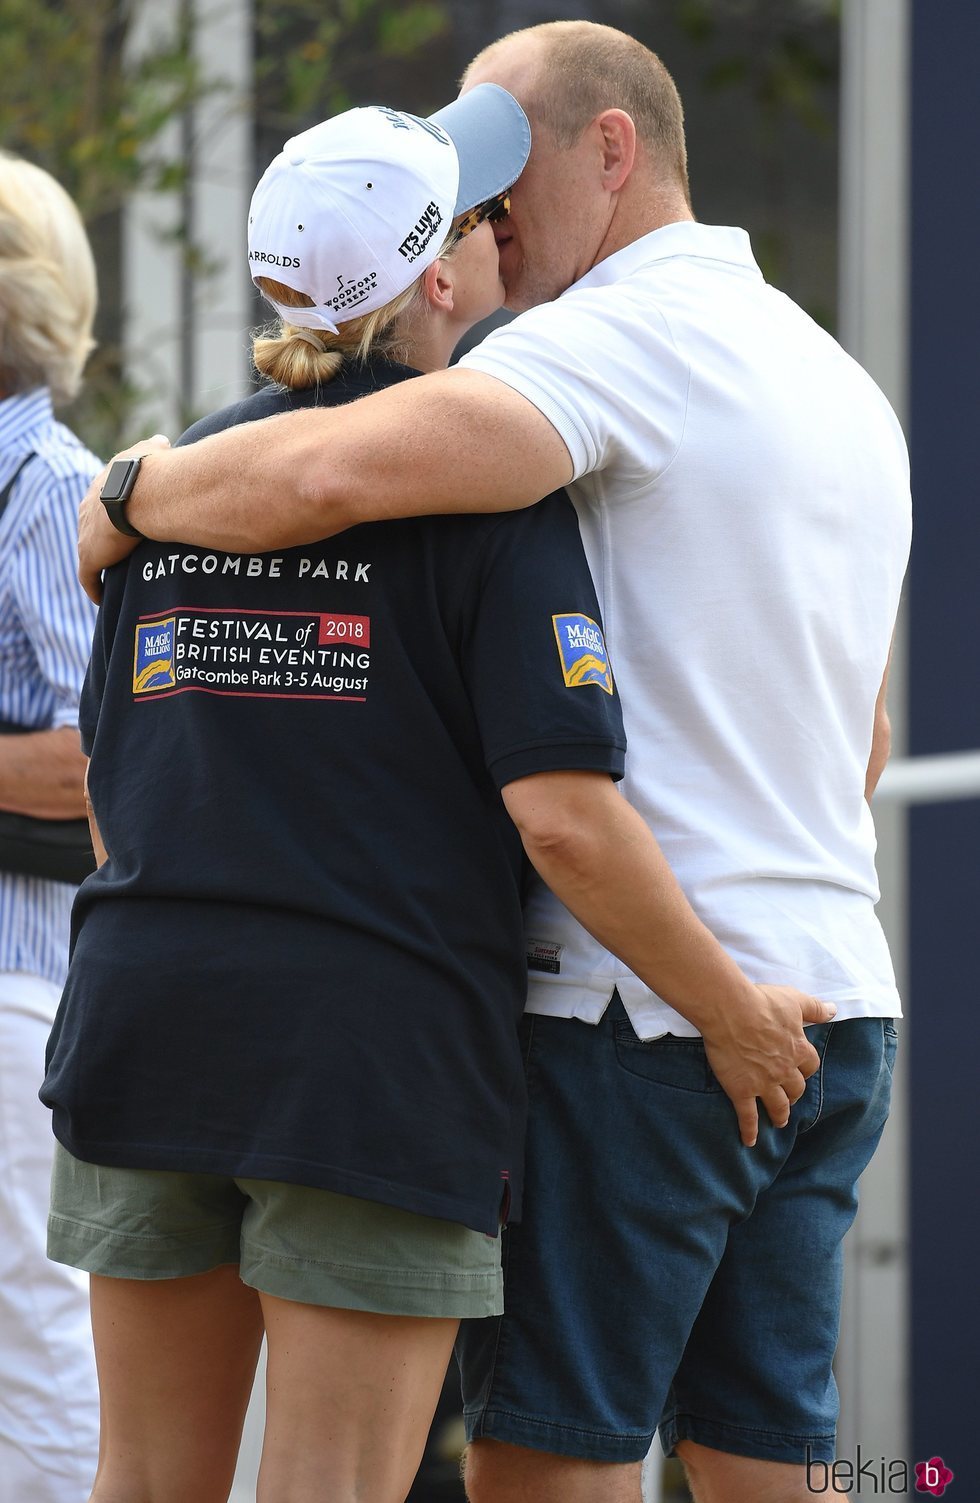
(295, 158)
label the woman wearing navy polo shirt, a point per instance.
(285, 1075)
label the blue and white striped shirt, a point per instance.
(46, 626)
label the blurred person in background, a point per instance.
(48, 1391)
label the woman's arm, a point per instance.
(101, 854)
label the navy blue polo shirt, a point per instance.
(303, 960)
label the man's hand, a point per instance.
(99, 544)
(763, 1055)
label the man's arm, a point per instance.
(599, 857)
(41, 773)
(881, 737)
(451, 441)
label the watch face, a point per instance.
(115, 482)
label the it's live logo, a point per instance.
(875, 1476)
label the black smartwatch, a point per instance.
(116, 492)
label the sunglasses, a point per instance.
(493, 210)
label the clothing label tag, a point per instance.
(543, 955)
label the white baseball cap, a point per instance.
(353, 210)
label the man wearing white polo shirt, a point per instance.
(742, 489)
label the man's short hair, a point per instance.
(47, 283)
(587, 68)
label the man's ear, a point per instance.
(618, 147)
(439, 285)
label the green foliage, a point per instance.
(70, 105)
(781, 61)
(317, 57)
(77, 102)
(697, 18)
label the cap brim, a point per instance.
(492, 139)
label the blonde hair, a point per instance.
(286, 355)
(586, 68)
(47, 283)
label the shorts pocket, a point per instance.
(890, 1037)
(668, 1060)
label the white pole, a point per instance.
(652, 1474)
(184, 330)
(221, 186)
(151, 262)
(872, 1358)
(930, 780)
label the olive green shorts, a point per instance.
(298, 1243)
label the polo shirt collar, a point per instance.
(711, 242)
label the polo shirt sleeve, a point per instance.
(533, 654)
(601, 365)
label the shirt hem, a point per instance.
(237, 1165)
(587, 1004)
(561, 756)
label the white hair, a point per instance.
(47, 284)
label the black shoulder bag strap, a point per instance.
(8, 488)
(58, 849)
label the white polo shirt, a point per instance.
(743, 492)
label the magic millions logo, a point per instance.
(582, 649)
(153, 665)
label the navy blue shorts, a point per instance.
(663, 1273)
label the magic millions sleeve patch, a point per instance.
(582, 650)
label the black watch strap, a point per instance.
(116, 492)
